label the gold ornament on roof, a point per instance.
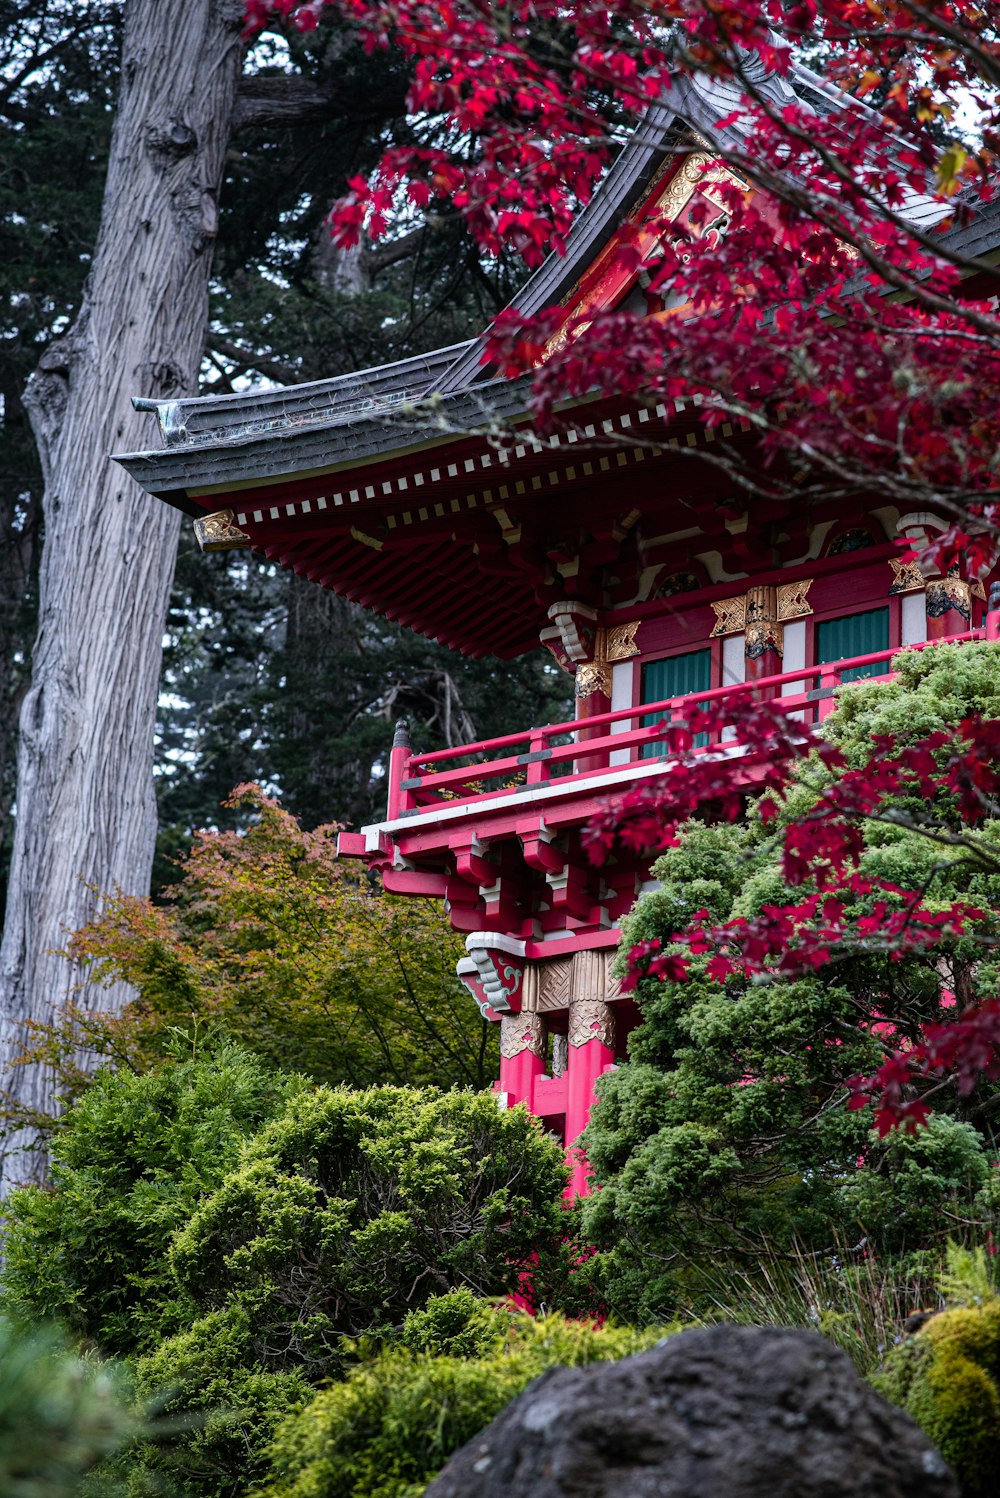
(218, 532)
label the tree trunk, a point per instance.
(86, 816)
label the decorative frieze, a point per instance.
(760, 605)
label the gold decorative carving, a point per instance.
(906, 577)
(593, 677)
(762, 626)
(945, 594)
(591, 1019)
(619, 641)
(977, 589)
(522, 1032)
(610, 645)
(793, 599)
(612, 985)
(683, 184)
(730, 616)
(217, 532)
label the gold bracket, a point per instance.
(610, 645)
(732, 614)
(218, 533)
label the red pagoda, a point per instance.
(654, 583)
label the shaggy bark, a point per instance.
(85, 809)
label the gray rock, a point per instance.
(725, 1412)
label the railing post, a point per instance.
(398, 799)
(993, 613)
(538, 769)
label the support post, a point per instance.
(523, 1040)
(398, 756)
(763, 634)
(949, 607)
(591, 1052)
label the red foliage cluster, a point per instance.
(953, 776)
(820, 303)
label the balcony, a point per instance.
(493, 828)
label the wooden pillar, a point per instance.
(763, 635)
(588, 705)
(591, 1052)
(522, 1055)
(949, 607)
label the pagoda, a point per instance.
(614, 543)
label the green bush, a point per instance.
(60, 1415)
(397, 1417)
(726, 1137)
(132, 1161)
(346, 1212)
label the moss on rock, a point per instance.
(947, 1376)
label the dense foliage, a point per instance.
(731, 1132)
(226, 1227)
(947, 1374)
(268, 938)
(405, 1408)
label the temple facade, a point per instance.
(617, 544)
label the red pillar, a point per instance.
(589, 706)
(522, 1055)
(763, 634)
(591, 1052)
(949, 607)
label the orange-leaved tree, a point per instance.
(269, 939)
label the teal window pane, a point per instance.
(676, 676)
(854, 634)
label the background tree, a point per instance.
(270, 940)
(282, 305)
(84, 792)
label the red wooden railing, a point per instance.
(506, 765)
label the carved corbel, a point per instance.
(217, 532)
(577, 626)
(500, 965)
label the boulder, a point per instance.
(723, 1412)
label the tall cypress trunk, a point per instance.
(86, 815)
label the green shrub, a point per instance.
(727, 1136)
(60, 1414)
(345, 1213)
(133, 1159)
(398, 1416)
(353, 1208)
